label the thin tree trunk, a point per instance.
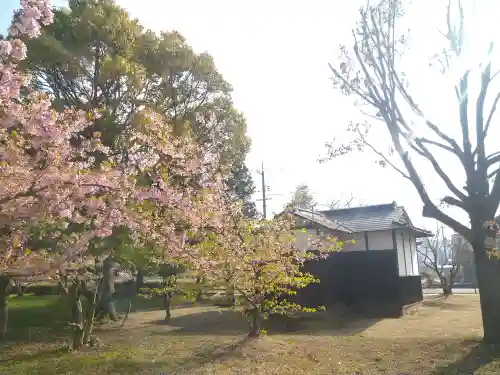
(77, 320)
(77, 325)
(255, 322)
(167, 305)
(89, 318)
(107, 303)
(139, 280)
(488, 280)
(4, 305)
(232, 295)
(19, 288)
(451, 283)
(199, 292)
(446, 285)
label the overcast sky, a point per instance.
(276, 55)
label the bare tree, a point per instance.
(342, 203)
(371, 74)
(442, 258)
(465, 257)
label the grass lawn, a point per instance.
(442, 337)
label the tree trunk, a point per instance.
(488, 280)
(107, 303)
(255, 320)
(446, 285)
(232, 295)
(167, 305)
(139, 280)
(199, 292)
(20, 288)
(77, 320)
(89, 316)
(4, 305)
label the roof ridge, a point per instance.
(368, 208)
(320, 219)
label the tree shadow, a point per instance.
(205, 323)
(54, 352)
(141, 304)
(478, 354)
(37, 319)
(446, 304)
(37, 335)
(212, 353)
(206, 354)
(124, 366)
(235, 323)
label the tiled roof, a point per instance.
(372, 218)
(320, 219)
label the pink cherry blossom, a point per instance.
(5, 48)
(43, 177)
(18, 49)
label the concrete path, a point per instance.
(455, 291)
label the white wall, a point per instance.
(304, 239)
(353, 241)
(380, 240)
(407, 254)
(413, 241)
(401, 254)
(377, 240)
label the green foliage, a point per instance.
(274, 305)
(258, 259)
(241, 184)
(302, 197)
(95, 55)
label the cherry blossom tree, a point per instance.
(162, 187)
(258, 259)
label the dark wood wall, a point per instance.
(359, 277)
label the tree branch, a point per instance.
(480, 126)
(492, 113)
(430, 210)
(380, 154)
(428, 155)
(437, 144)
(494, 198)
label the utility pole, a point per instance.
(264, 199)
(264, 213)
(265, 188)
(265, 196)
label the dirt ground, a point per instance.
(441, 337)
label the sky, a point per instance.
(276, 55)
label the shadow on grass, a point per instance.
(36, 318)
(45, 354)
(40, 319)
(446, 304)
(212, 353)
(235, 323)
(478, 355)
(140, 304)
